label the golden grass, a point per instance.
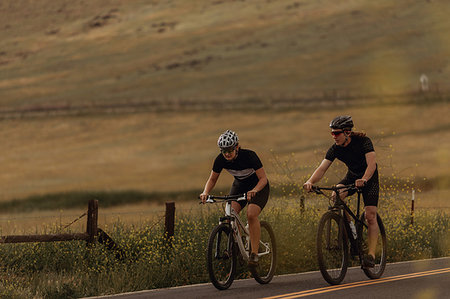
(51, 53)
(146, 50)
(72, 220)
(174, 151)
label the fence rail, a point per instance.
(255, 101)
(93, 232)
(88, 236)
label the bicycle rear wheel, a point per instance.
(332, 248)
(221, 257)
(267, 253)
(380, 253)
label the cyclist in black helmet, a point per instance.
(355, 149)
(249, 177)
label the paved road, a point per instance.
(414, 279)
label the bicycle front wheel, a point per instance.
(221, 257)
(267, 253)
(380, 252)
(332, 248)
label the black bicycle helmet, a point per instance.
(342, 122)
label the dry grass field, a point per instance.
(174, 151)
(123, 101)
(109, 52)
(106, 51)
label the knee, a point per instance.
(251, 217)
(371, 217)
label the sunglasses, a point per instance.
(227, 150)
(336, 133)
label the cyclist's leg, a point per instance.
(370, 196)
(371, 218)
(254, 209)
(237, 189)
(236, 207)
(253, 212)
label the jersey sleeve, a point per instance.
(255, 161)
(367, 146)
(331, 154)
(218, 164)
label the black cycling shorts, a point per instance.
(370, 191)
(260, 198)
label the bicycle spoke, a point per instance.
(332, 248)
(221, 257)
(265, 270)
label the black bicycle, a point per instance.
(230, 241)
(335, 236)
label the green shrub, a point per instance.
(72, 269)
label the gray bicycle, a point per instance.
(230, 241)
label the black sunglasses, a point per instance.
(228, 150)
(336, 133)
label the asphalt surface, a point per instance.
(413, 279)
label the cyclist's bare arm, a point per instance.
(262, 182)
(317, 175)
(212, 180)
(371, 166)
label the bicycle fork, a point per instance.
(228, 251)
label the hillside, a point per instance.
(65, 53)
(105, 51)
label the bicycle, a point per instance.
(334, 235)
(230, 239)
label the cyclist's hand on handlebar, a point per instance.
(308, 186)
(251, 194)
(203, 197)
(359, 183)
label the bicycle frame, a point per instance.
(341, 207)
(236, 223)
(225, 255)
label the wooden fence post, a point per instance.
(412, 206)
(170, 219)
(92, 220)
(302, 203)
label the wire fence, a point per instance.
(154, 217)
(336, 98)
(70, 221)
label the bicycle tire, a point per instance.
(264, 272)
(332, 248)
(380, 253)
(221, 257)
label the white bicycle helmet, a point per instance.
(228, 139)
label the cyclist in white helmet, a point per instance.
(249, 177)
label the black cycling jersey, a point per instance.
(353, 155)
(243, 168)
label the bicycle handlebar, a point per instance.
(236, 197)
(335, 188)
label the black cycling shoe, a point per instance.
(253, 260)
(368, 261)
